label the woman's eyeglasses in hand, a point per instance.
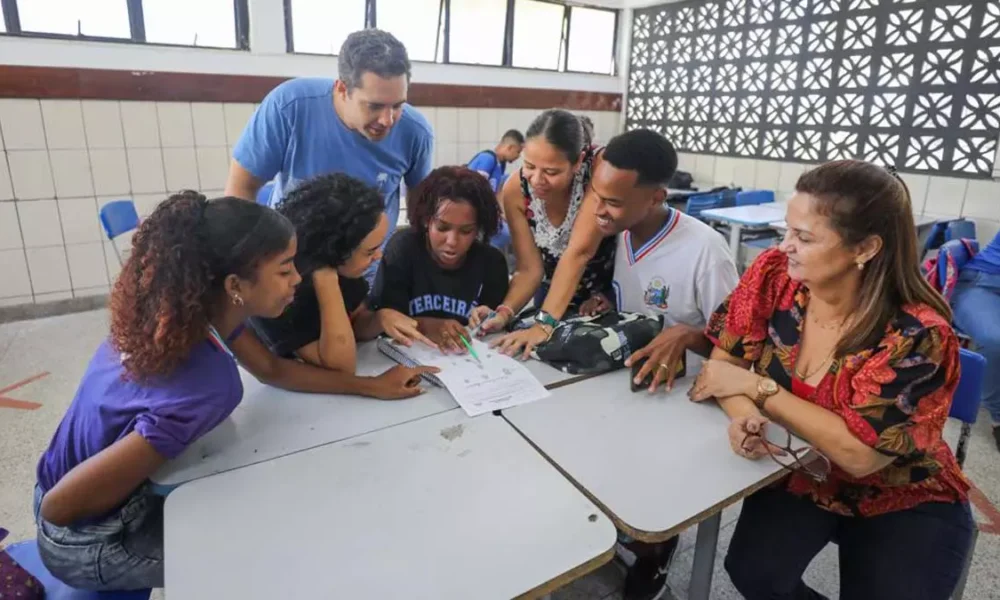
(777, 441)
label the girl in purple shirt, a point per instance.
(167, 375)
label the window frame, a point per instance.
(443, 36)
(137, 27)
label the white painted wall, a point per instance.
(61, 160)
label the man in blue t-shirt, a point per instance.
(359, 124)
(492, 164)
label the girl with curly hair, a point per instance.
(167, 375)
(442, 268)
(340, 222)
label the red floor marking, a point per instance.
(987, 509)
(6, 402)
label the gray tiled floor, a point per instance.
(63, 345)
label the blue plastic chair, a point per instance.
(702, 202)
(945, 231)
(752, 197)
(264, 194)
(26, 555)
(965, 403)
(965, 407)
(118, 217)
(960, 228)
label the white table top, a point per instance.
(272, 422)
(656, 462)
(756, 214)
(446, 507)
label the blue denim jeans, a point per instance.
(976, 303)
(123, 551)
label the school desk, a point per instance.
(445, 507)
(738, 217)
(657, 463)
(272, 422)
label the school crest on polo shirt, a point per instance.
(657, 294)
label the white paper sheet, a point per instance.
(498, 382)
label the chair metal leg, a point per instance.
(964, 577)
(962, 448)
(114, 244)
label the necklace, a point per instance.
(826, 326)
(804, 376)
(829, 325)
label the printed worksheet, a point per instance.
(496, 383)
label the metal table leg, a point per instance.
(705, 545)
(735, 236)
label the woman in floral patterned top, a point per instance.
(545, 209)
(853, 351)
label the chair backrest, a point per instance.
(752, 197)
(119, 217)
(264, 195)
(701, 202)
(965, 403)
(944, 231)
(961, 228)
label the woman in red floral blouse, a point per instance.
(852, 351)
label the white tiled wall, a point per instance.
(944, 197)
(64, 159)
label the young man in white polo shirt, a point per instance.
(668, 264)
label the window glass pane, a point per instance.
(591, 40)
(99, 18)
(477, 31)
(413, 22)
(537, 34)
(190, 22)
(321, 26)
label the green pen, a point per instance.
(472, 350)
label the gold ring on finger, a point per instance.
(665, 366)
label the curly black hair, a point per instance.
(332, 214)
(161, 302)
(459, 184)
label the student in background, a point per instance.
(544, 205)
(167, 375)
(667, 265)
(359, 124)
(440, 269)
(836, 336)
(492, 164)
(340, 226)
(976, 302)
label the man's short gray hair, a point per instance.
(371, 51)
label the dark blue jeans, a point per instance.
(914, 554)
(976, 303)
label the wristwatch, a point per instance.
(766, 387)
(546, 319)
(547, 322)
